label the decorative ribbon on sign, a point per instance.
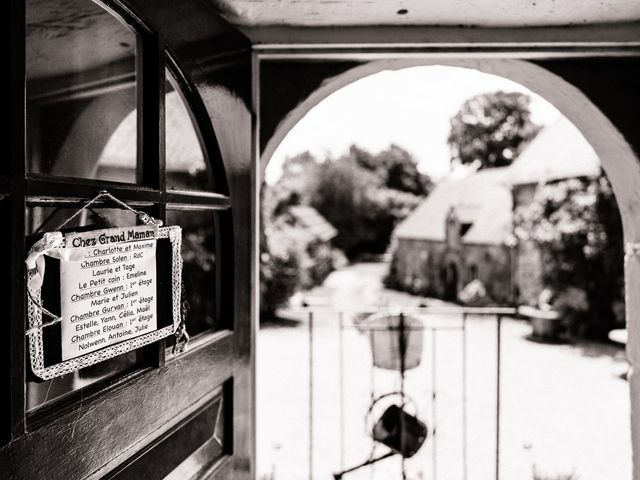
(54, 245)
(48, 245)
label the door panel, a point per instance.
(196, 442)
(116, 422)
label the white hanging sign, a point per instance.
(116, 291)
(108, 292)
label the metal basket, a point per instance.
(389, 334)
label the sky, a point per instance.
(411, 107)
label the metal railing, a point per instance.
(460, 316)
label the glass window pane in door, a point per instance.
(199, 267)
(81, 91)
(187, 165)
(44, 219)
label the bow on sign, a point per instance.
(48, 245)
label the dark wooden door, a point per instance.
(150, 100)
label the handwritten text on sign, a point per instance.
(108, 296)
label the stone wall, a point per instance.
(419, 266)
(493, 264)
(416, 265)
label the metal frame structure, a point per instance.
(464, 314)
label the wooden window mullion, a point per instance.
(150, 102)
(18, 318)
(73, 189)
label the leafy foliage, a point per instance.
(293, 188)
(279, 273)
(291, 259)
(365, 196)
(491, 129)
(578, 225)
(394, 169)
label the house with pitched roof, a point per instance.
(464, 230)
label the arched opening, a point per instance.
(451, 282)
(618, 159)
(616, 155)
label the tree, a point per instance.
(339, 195)
(365, 196)
(395, 169)
(491, 129)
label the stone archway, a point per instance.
(616, 155)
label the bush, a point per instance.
(291, 260)
(577, 224)
(279, 274)
(315, 259)
(474, 294)
(362, 195)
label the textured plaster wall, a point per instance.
(418, 265)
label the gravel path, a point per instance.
(564, 408)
